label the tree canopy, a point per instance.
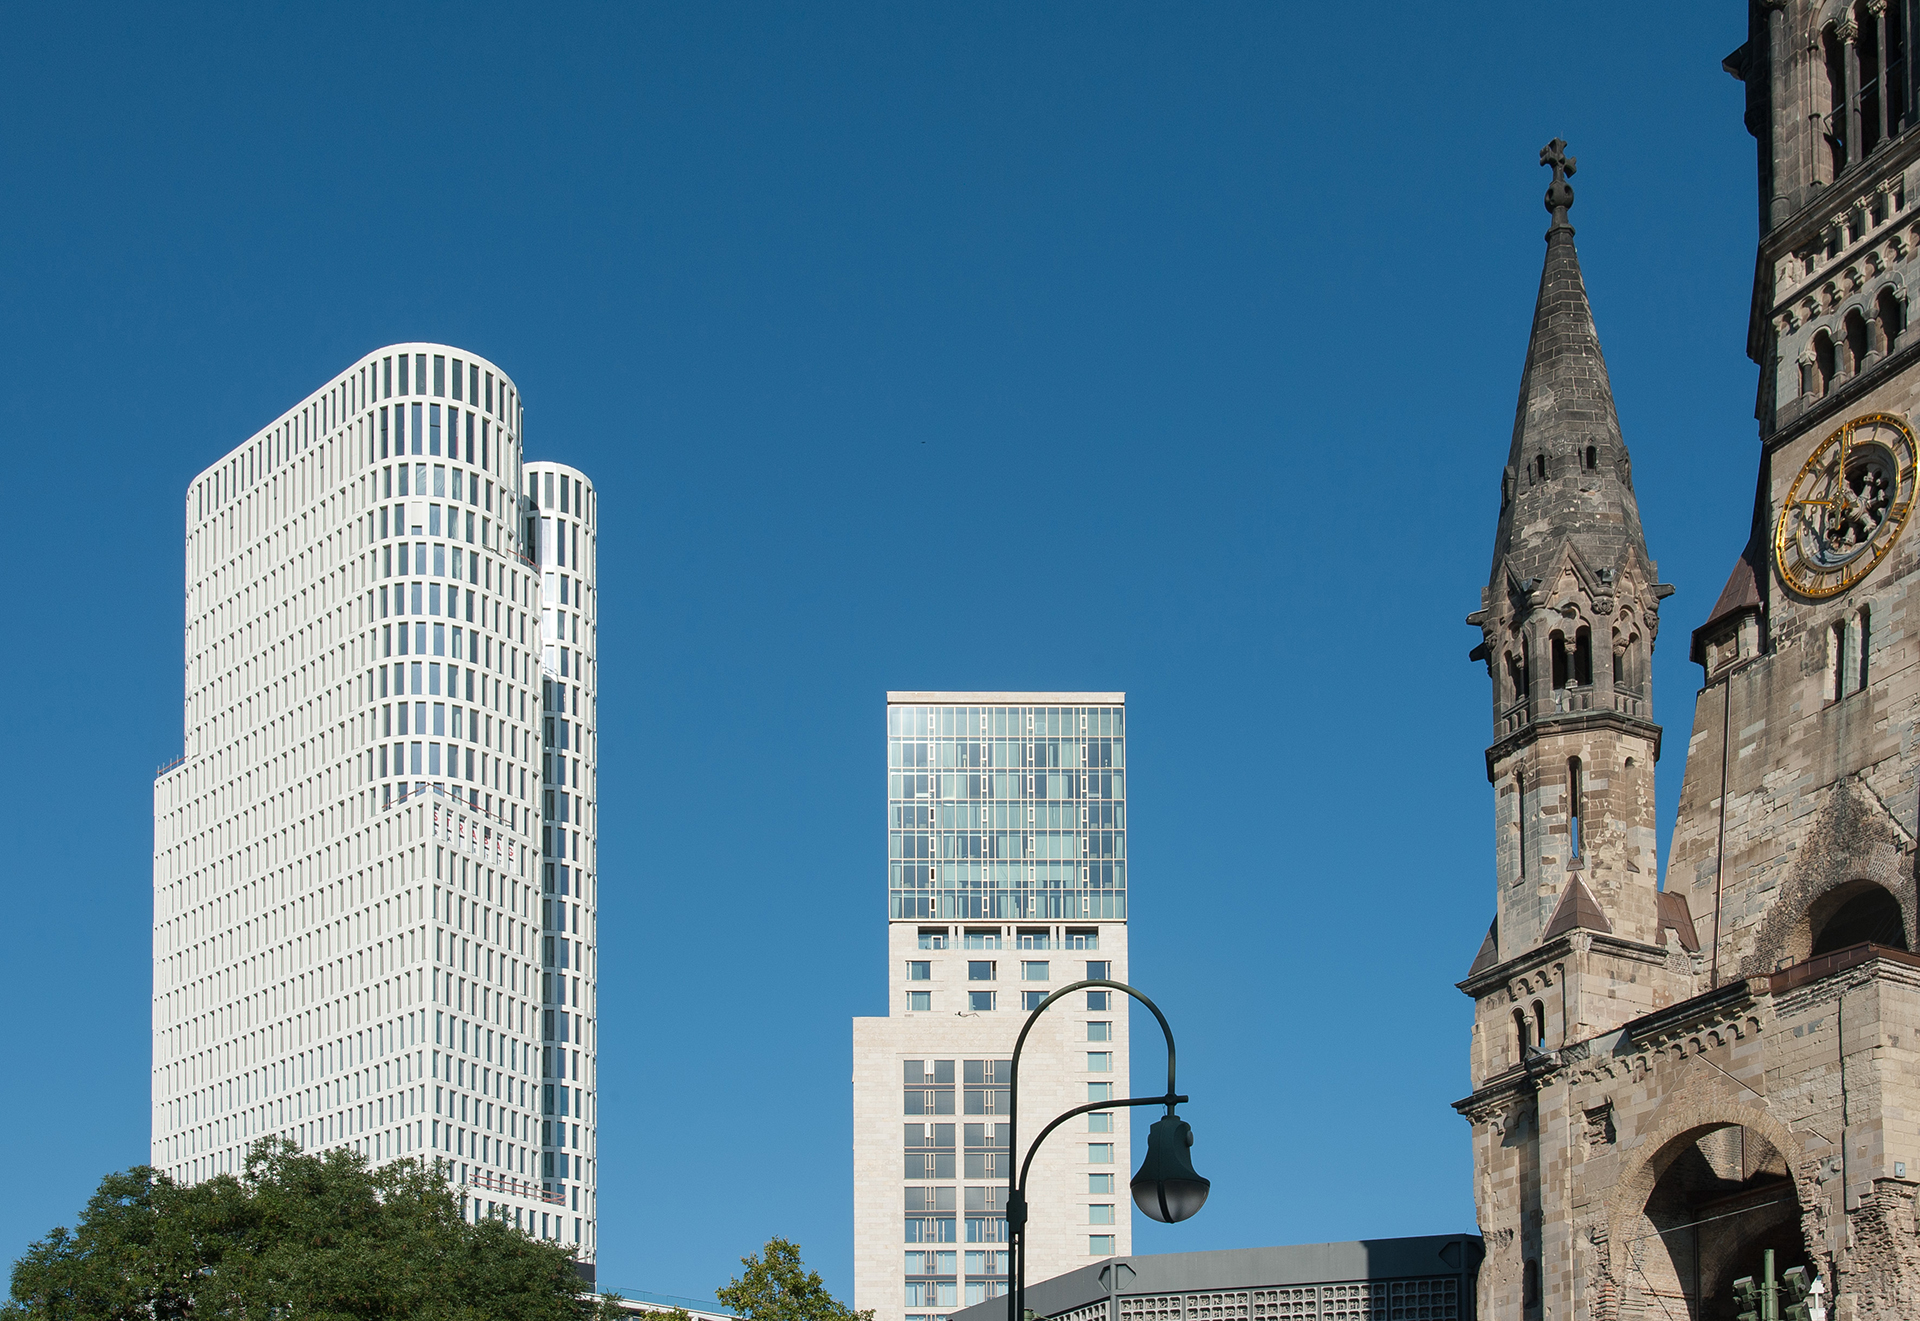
(314, 1237)
(778, 1287)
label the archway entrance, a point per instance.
(1722, 1197)
(1854, 915)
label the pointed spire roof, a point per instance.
(1565, 410)
(1578, 908)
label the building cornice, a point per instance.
(1570, 722)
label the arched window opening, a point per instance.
(1835, 126)
(1540, 467)
(1825, 361)
(1576, 795)
(1619, 665)
(1861, 630)
(1530, 1284)
(1892, 319)
(1856, 328)
(1583, 658)
(1559, 660)
(1872, 915)
(1809, 381)
(1516, 678)
(1868, 77)
(1520, 819)
(1593, 457)
(1540, 1025)
(1520, 1041)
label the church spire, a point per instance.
(1567, 624)
(1568, 479)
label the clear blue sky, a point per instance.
(1170, 349)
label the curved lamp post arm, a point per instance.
(1169, 1101)
(1017, 1184)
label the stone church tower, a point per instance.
(1669, 1080)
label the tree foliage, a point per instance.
(313, 1237)
(778, 1287)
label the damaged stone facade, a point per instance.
(1669, 1081)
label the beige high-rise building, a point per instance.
(1007, 879)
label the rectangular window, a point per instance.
(980, 970)
(1100, 1032)
(1100, 1214)
(920, 970)
(1100, 1153)
(1100, 1121)
(418, 426)
(1034, 970)
(1099, 1184)
(1031, 1000)
(458, 369)
(919, 1002)
(1099, 1001)
(439, 375)
(980, 1001)
(1099, 1091)
(1099, 1061)
(1100, 1245)
(1099, 970)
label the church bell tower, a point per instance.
(1568, 621)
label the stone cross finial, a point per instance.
(1559, 192)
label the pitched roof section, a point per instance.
(1489, 950)
(1565, 408)
(1740, 596)
(1577, 909)
(1675, 916)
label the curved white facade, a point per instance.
(347, 858)
(563, 531)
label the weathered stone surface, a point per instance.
(1654, 1107)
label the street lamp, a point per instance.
(1165, 1188)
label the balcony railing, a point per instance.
(500, 1183)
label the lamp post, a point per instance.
(1165, 1188)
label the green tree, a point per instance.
(314, 1237)
(779, 1287)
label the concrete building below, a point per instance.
(1431, 1278)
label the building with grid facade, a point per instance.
(1007, 879)
(354, 942)
(1428, 1278)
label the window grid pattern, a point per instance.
(344, 883)
(1435, 1298)
(1006, 812)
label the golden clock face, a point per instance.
(1847, 506)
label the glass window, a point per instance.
(1100, 1245)
(1099, 1001)
(1100, 1121)
(1100, 1153)
(1033, 970)
(1099, 1091)
(920, 970)
(1099, 1061)
(439, 375)
(980, 1001)
(1100, 1214)
(919, 1001)
(980, 970)
(1099, 970)
(1100, 1032)
(1099, 1184)
(1031, 1000)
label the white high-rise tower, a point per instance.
(563, 533)
(1006, 880)
(349, 928)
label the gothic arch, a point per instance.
(1851, 842)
